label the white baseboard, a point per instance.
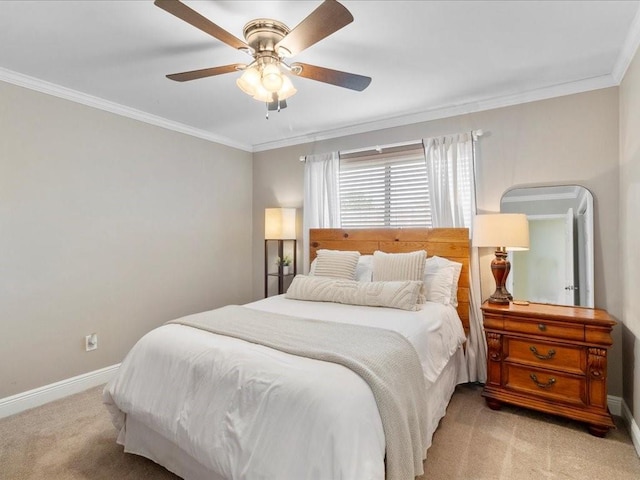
(634, 430)
(615, 405)
(619, 408)
(54, 391)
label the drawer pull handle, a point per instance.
(542, 327)
(542, 385)
(548, 356)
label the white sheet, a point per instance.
(240, 409)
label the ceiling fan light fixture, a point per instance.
(271, 77)
(249, 81)
(287, 90)
(262, 94)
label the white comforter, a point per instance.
(246, 411)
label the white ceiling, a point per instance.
(428, 59)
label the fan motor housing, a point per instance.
(263, 34)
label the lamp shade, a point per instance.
(501, 230)
(280, 223)
(271, 77)
(287, 89)
(249, 81)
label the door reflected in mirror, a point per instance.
(558, 267)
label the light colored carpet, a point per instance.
(73, 439)
(475, 442)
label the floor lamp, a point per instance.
(504, 232)
(279, 225)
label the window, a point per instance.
(398, 187)
(385, 189)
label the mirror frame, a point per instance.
(557, 201)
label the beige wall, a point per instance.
(112, 226)
(571, 139)
(630, 231)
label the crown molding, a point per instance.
(569, 88)
(408, 118)
(631, 44)
(38, 85)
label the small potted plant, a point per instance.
(284, 263)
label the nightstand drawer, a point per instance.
(546, 328)
(546, 355)
(550, 385)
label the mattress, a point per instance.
(209, 406)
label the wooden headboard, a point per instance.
(451, 243)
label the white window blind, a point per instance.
(386, 188)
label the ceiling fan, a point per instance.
(270, 42)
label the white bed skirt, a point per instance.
(139, 439)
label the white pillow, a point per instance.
(335, 264)
(364, 270)
(441, 280)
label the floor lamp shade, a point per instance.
(504, 232)
(280, 223)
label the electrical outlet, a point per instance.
(91, 342)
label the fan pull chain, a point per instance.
(268, 109)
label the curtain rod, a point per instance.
(379, 148)
(475, 133)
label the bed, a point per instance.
(202, 397)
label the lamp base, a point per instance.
(500, 296)
(500, 268)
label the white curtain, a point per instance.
(321, 196)
(451, 181)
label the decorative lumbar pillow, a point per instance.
(335, 264)
(441, 278)
(399, 267)
(401, 294)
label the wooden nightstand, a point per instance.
(550, 358)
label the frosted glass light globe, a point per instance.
(271, 77)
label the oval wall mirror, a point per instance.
(558, 267)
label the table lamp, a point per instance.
(504, 232)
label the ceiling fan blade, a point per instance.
(328, 18)
(180, 10)
(205, 72)
(334, 77)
